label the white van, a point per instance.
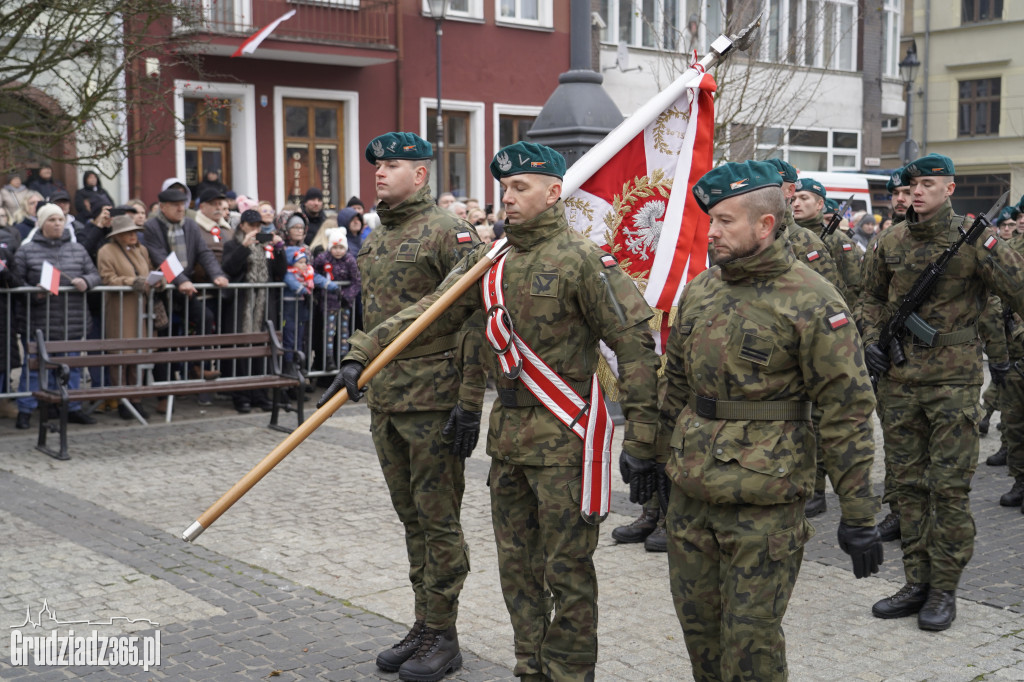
(839, 186)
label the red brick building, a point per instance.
(300, 111)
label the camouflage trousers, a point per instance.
(1011, 419)
(732, 569)
(545, 563)
(426, 483)
(931, 442)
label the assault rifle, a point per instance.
(837, 218)
(906, 318)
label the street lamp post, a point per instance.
(908, 71)
(438, 10)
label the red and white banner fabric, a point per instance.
(638, 205)
(589, 421)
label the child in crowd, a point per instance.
(337, 265)
(299, 282)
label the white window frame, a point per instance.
(500, 110)
(340, 4)
(611, 32)
(893, 10)
(350, 121)
(817, 8)
(243, 129)
(476, 162)
(830, 150)
(475, 13)
(545, 15)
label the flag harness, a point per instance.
(518, 361)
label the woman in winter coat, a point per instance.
(61, 316)
(91, 196)
(124, 262)
(11, 196)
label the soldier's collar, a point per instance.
(550, 221)
(417, 203)
(769, 264)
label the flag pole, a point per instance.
(603, 151)
(315, 420)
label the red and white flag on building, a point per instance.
(253, 41)
(49, 278)
(634, 198)
(171, 267)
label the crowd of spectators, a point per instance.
(218, 238)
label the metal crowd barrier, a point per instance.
(211, 310)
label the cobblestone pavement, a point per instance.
(305, 577)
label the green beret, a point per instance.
(527, 157)
(810, 185)
(408, 146)
(933, 164)
(1008, 213)
(733, 179)
(1020, 204)
(786, 171)
(895, 180)
(831, 205)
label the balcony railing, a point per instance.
(356, 23)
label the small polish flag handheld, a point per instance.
(171, 267)
(250, 45)
(50, 278)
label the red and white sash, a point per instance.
(589, 421)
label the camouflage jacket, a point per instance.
(956, 303)
(560, 306)
(847, 257)
(992, 330)
(810, 250)
(766, 328)
(400, 262)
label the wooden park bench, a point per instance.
(193, 351)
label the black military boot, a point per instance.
(1015, 497)
(658, 540)
(815, 506)
(889, 528)
(437, 655)
(390, 660)
(906, 602)
(984, 423)
(939, 610)
(998, 459)
(639, 529)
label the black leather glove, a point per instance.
(466, 425)
(641, 475)
(864, 545)
(999, 370)
(877, 359)
(664, 488)
(348, 377)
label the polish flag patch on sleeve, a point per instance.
(990, 243)
(847, 247)
(813, 256)
(609, 261)
(838, 320)
(463, 237)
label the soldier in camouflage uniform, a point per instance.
(558, 287)
(435, 386)
(808, 207)
(990, 400)
(1011, 400)
(757, 340)
(806, 244)
(930, 403)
